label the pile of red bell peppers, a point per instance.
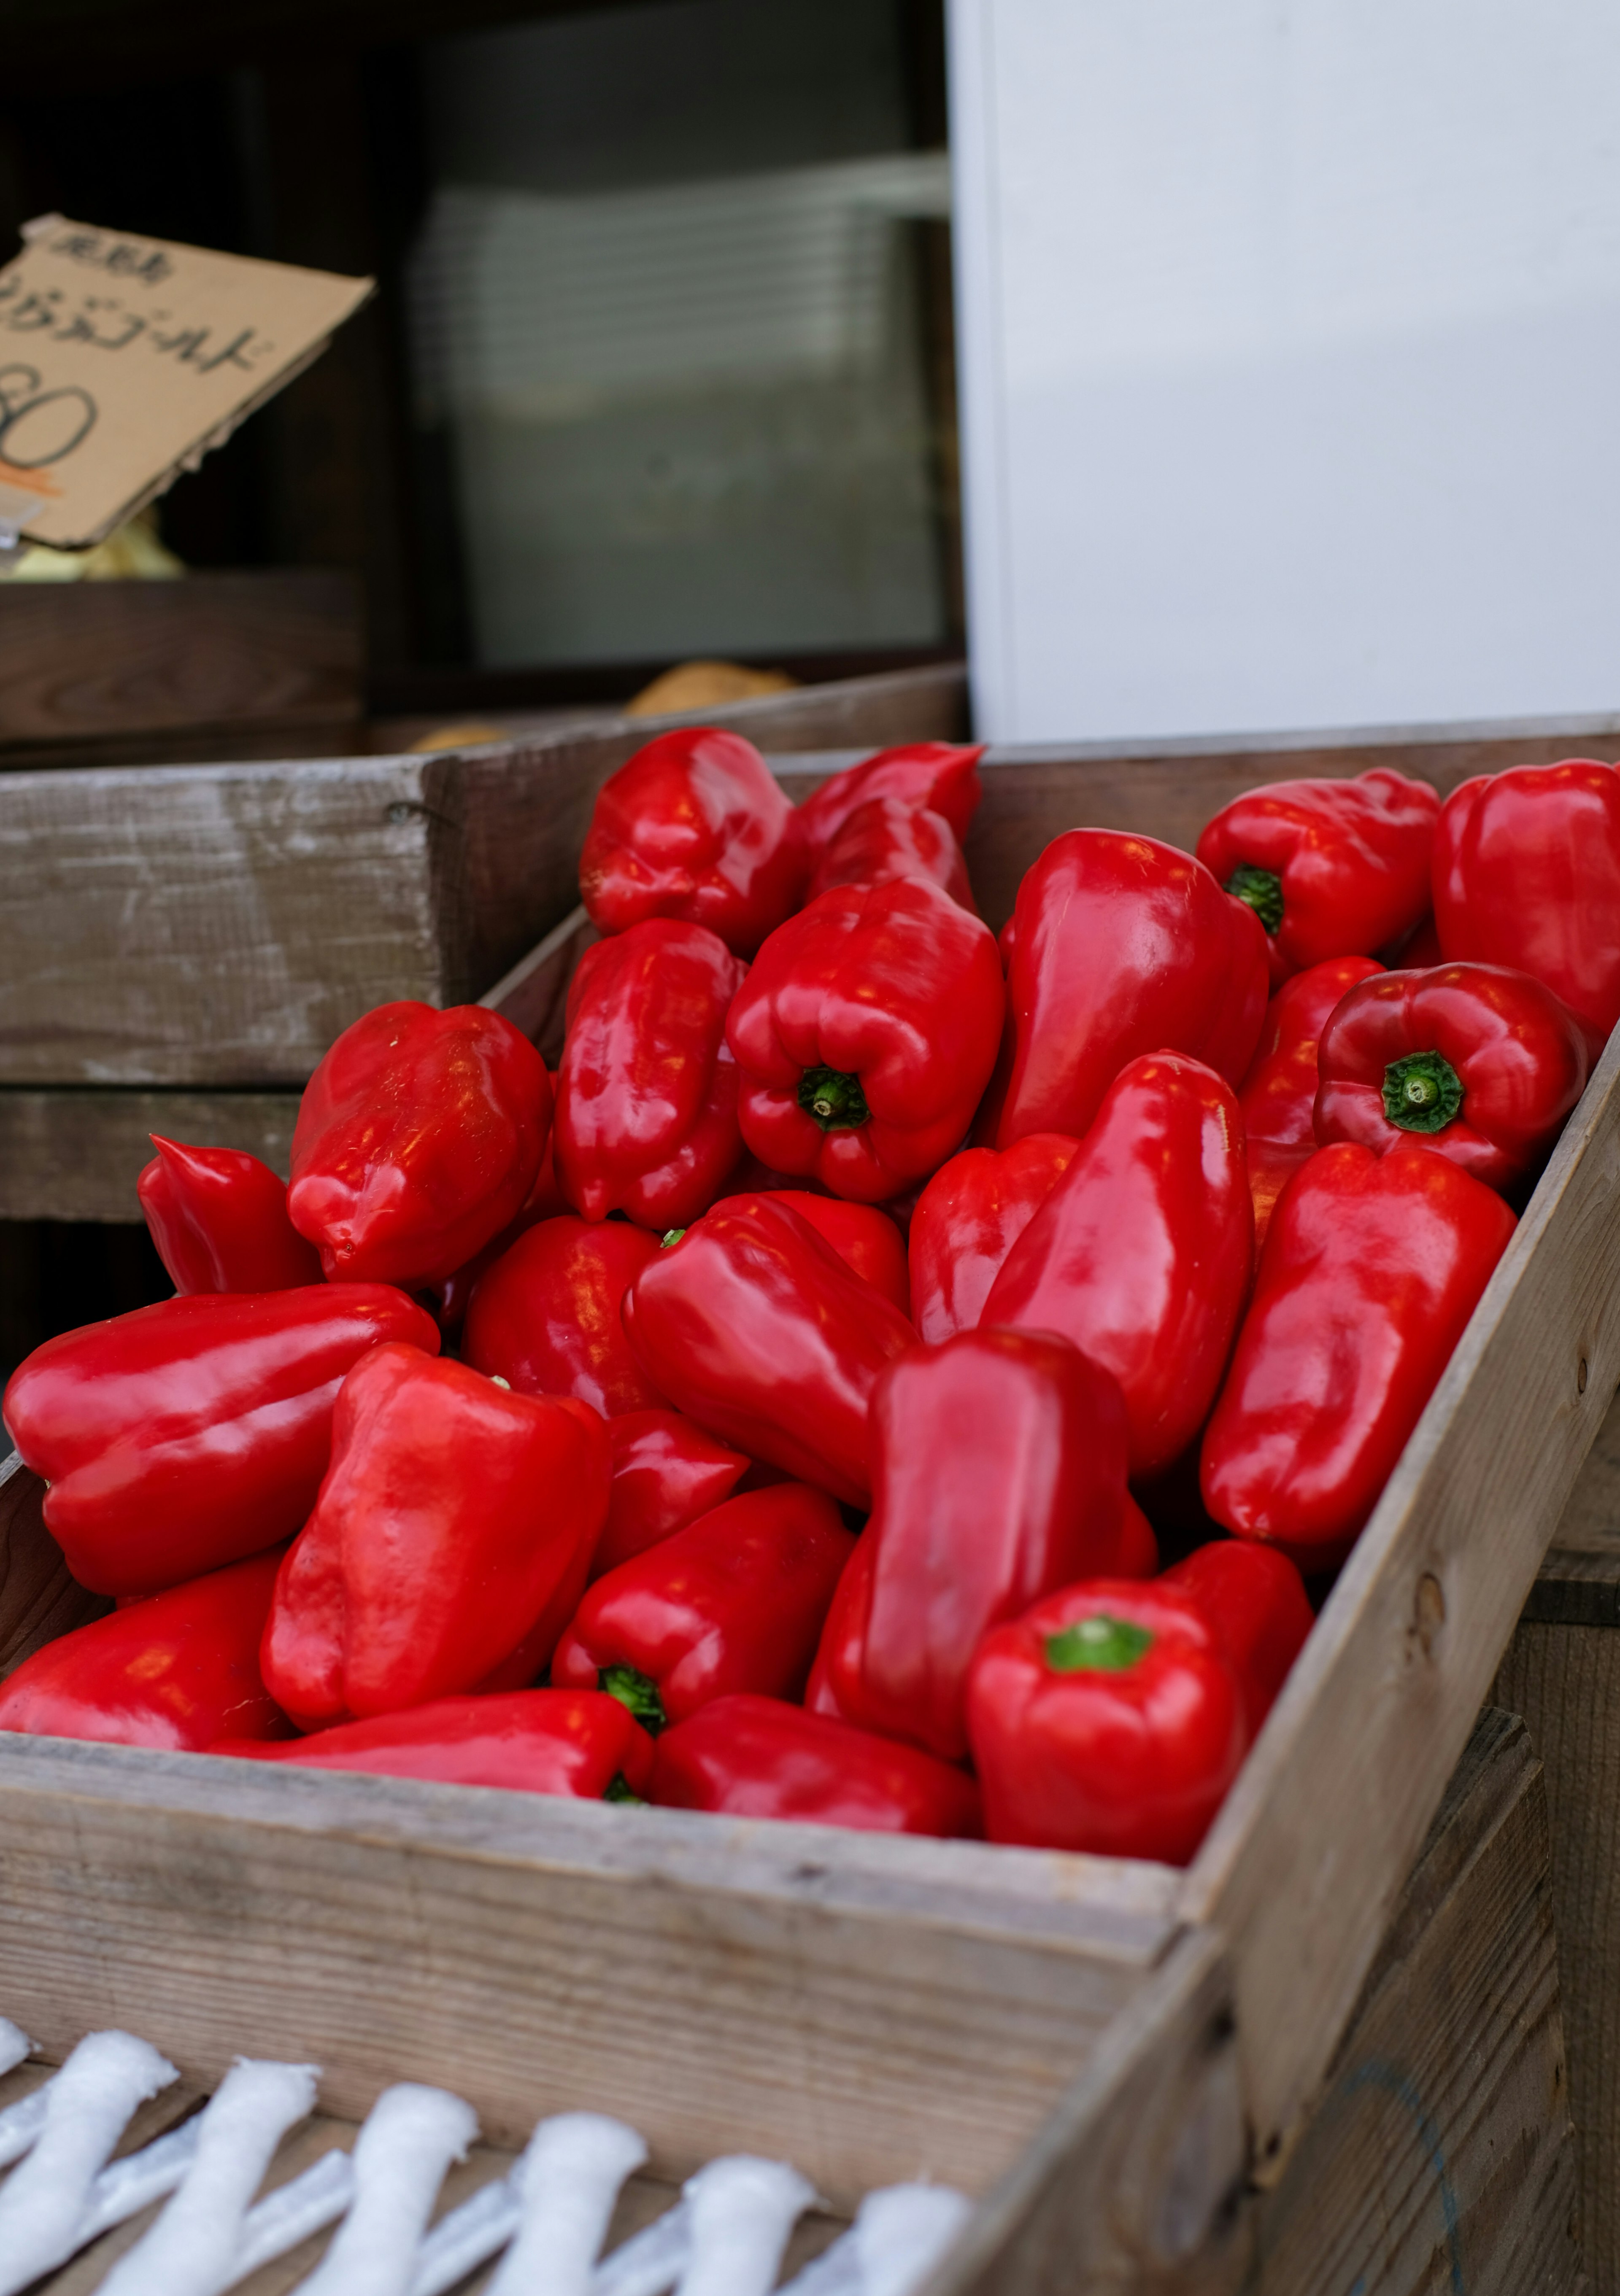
(786, 1409)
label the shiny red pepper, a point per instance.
(865, 1033)
(1107, 1718)
(418, 1137)
(1256, 1600)
(967, 1219)
(182, 1436)
(886, 838)
(1278, 1096)
(755, 1326)
(1331, 868)
(177, 1670)
(941, 777)
(694, 827)
(1480, 1062)
(1371, 1270)
(218, 1218)
(452, 1517)
(1526, 872)
(646, 1094)
(1141, 1253)
(553, 1741)
(546, 1317)
(1122, 946)
(667, 1472)
(1000, 1475)
(751, 1756)
(864, 1237)
(734, 1601)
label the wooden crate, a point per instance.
(244, 665)
(880, 2005)
(182, 942)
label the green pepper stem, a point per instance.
(1098, 1645)
(619, 1789)
(671, 1235)
(1262, 888)
(1422, 1093)
(834, 1099)
(638, 1692)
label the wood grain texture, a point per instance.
(89, 662)
(77, 1155)
(1302, 1869)
(1441, 2153)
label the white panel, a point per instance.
(1290, 331)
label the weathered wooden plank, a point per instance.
(75, 1155)
(1302, 1866)
(84, 663)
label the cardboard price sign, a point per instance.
(123, 360)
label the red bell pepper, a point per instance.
(865, 1033)
(694, 827)
(1526, 872)
(451, 1515)
(1331, 868)
(546, 1317)
(864, 1237)
(667, 1472)
(182, 1436)
(1141, 1253)
(751, 1756)
(176, 1670)
(218, 1218)
(1278, 1096)
(1480, 1062)
(886, 838)
(755, 1326)
(646, 1094)
(734, 1601)
(940, 777)
(418, 1137)
(1122, 946)
(1371, 1270)
(1107, 1718)
(1000, 1475)
(553, 1741)
(451, 1296)
(967, 1219)
(1256, 1600)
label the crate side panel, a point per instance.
(75, 1155)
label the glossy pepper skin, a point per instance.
(999, 1475)
(1371, 1270)
(938, 778)
(865, 1033)
(1478, 1061)
(1277, 1096)
(1526, 872)
(218, 1218)
(864, 1237)
(1256, 1600)
(751, 1756)
(1121, 946)
(1141, 1254)
(1332, 868)
(546, 1316)
(578, 1743)
(451, 1517)
(734, 1601)
(967, 1219)
(182, 1436)
(667, 1472)
(886, 838)
(695, 827)
(1107, 1718)
(418, 1137)
(755, 1326)
(177, 1670)
(646, 1094)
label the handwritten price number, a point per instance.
(36, 426)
